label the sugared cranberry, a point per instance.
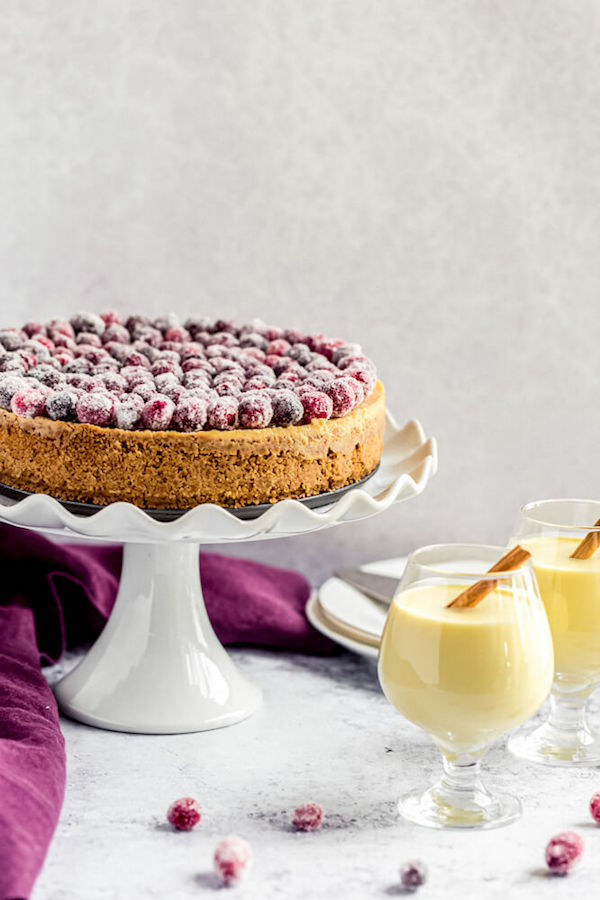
(31, 328)
(413, 875)
(308, 817)
(81, 364)
(563, 851)
(196, 378)
(48, 375)
(28, 402)
(111, 317)
(117, 333)
(95, 408)
(135, 374)
(364, 374)
(10, 362)
(12, 339)
(252, 339)
(128, 410)
(345, 350)
(287, 408)
(62, 357)
(342, 394)
(317, 405)
(167, 379)
(62, 405)
(135, 358)
(158, 412)
(179, 335)
(278, 347)
(9, 385)
(232, 859)
(88, 337)
(190, 413)
(44, 341)
(595, 808)
(60, 326)
(184, 814)
(347, 361)
(293, 336)
(88, 321)
(144, 389)
(163, 323)
(255, 353)
(223, 414)
(160, 366)
(28, 358)
(224, 325)
(255, 410)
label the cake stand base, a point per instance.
(158, 667)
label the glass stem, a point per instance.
(462, 778)
(567, 711)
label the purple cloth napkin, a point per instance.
(57, 596)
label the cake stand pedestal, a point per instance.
(158, 667)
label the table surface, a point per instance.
(325, 733)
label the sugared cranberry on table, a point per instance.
(413, 875)
(28, 402)
(184, 814)
(308, 817)
(95, 408)
(595, 808)
(563, 851)
(232, 859)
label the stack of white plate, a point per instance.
(348, 616)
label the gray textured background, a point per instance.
(422, 176)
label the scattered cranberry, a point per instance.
(563, 851)
(95, 408)
(28, 402)
(232, 859)
(308, 817)
(62, 405)
(413, 875)
(223, 414)
(158, 412)
(595, 808)
(317, 405)
(184, 814)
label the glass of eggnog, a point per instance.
(563, 537)
(466, 654)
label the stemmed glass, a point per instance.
(570, 590)
(464, 675)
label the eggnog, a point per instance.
(570, 590)
(465, 675)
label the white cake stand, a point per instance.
(158, 667)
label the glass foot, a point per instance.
(551, 746)
(436, 808)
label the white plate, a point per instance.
(347, 606)
(316, 620)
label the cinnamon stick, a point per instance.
(475, 593)
(588, 546)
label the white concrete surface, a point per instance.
(327, 734)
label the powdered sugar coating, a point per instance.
(199, 374)
(232, 859)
